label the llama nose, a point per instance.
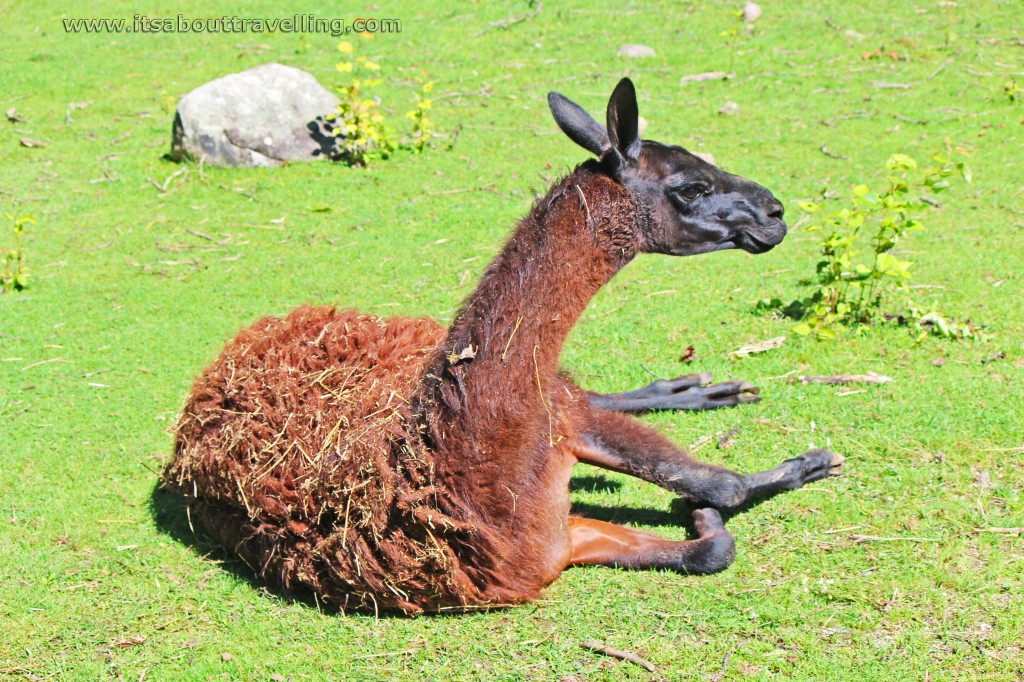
(774, 208)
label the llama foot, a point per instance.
(688, 392)
(818, 464)
(836, 466)
(715, 549)
(811, 466)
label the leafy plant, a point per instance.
(858, 269)
(357, 123)
(1013, 90)
(422, 127)
(934, 324)
(358, 126)
(14, 276)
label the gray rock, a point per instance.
(260, 117)
(632, 51)
(751, 12)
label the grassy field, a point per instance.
(135, 290)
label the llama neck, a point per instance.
(510, 331)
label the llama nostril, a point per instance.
(775, 209)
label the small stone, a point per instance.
(751, 12)
(704, 155)
(641, 125)
(730, 108)
(632, 51)
(227, 657)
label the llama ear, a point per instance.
(578, 124)
(623, 120)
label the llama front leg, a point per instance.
(687, 392)
(620, 443)
(598, 543)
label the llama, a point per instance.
(393, 465)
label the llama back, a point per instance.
(299, 452)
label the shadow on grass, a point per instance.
(630, 516)
(679, 514)
(170, 512)
(593, 484)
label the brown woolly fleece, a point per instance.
(296, 449)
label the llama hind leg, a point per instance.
(687, 392)
(598, 543)
(621, 443)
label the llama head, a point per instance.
(694, 206)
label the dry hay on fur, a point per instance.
(298, 451)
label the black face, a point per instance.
(699, 208)
(696, 208)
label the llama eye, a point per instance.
(691, 192)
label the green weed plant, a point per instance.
(860, 269)
(361, 132)
(15, 274)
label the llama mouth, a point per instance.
(754, 245)
(764, 241)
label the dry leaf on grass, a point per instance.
(759, 347)
(869, 378)
(706, 76)
(689, 355)
(128, 642)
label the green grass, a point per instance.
(127, 306)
